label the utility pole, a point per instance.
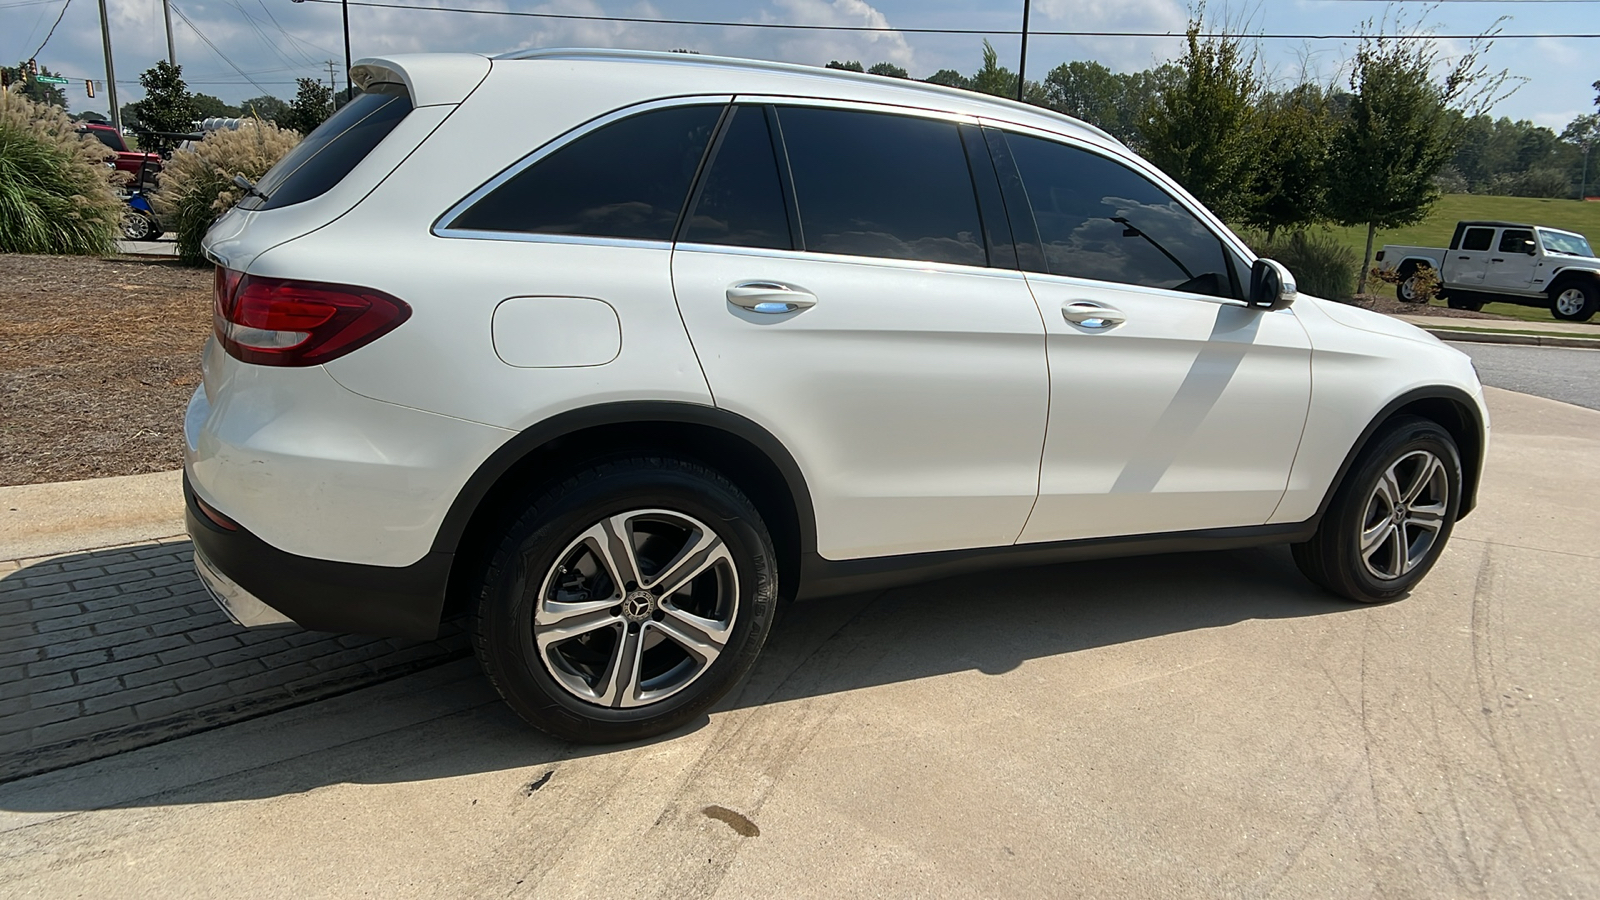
(333, 92)
(111, 75)
(1022, 65)
(345, 4)
(166, 12)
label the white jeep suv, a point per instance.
(617, 351)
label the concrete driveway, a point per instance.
(1182, 726)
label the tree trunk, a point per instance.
(1366, 261)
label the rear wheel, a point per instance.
(1575, 301)
(1391, 516)
(1409, 290)
(627, 600)
(138, 226)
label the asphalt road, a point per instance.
(1571, 376)
(1201, 725)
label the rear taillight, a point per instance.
(282, 322)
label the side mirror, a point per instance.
(1533, 249)
(1271, 285)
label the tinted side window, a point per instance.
(333, 149)
(870, 184)
(1478, 239)
(1099, 219)
(741, 200)
(1516, 241)
(628, 179)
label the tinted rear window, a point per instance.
(1478, 239)
(628, 179)
(1514, 241)
(741, 203)
(870, 184)
(330, 152)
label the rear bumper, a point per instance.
(258, 584)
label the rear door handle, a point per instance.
(1467, 258)
(1496, 260)
(770, 297)
(1089, 314)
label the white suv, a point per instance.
(617, 351)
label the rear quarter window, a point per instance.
(334, 149)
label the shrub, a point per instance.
(197, 184)
(1322, 266)
(57, 194)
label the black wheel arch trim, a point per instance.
(627, 412)
(1471, 462)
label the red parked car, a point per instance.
(139, 166)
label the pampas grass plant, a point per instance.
(197, 183)
(57, 192)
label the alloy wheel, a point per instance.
(1570, 302)
(1404, 515)
(636, 608)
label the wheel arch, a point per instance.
(1563, 277)
(743, 451)
(1452, 409)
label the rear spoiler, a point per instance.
(431, 79)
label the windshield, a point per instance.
(1564, 242)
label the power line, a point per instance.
(202, 36)
(52, 31)
(778, 26)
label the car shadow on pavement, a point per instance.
(448, 721)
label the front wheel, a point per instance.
(1391, 516)
(138, 226)
(1575, 301)
(627, 600)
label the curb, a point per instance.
(1496, 337)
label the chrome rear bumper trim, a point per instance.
(243, 607)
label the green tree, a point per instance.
(313, 103)
(207, 107)
(37, 91)
(1289, 184)
(889, 70)
(1113, 101)
(268, 107)
(1399, 132)
(851, 66)
(950, 78)
(167, 106)
(1203, 130)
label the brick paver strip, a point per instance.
(109, 650)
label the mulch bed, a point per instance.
(1392, 306)
(98, 358)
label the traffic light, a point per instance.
(33, 67)
(88, 84)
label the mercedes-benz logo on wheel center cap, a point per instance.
(638, 605)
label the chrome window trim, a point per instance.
(1165, 293)
(1149, 171)
(440, 229)
(869, 106)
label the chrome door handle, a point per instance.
(1091, 315)
(770, 297)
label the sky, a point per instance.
(272, 42)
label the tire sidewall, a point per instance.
(1591, 300)
(532, 548)
(1350, 508)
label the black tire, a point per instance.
(1575, 300)
(136, 226)
(1404, 289)
(1333, 558)
(1468, 305)
(561, 688)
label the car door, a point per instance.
(835, 279)
(1174, 407)
(1511, 267)
(1468, 262)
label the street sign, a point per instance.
(50, 79)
